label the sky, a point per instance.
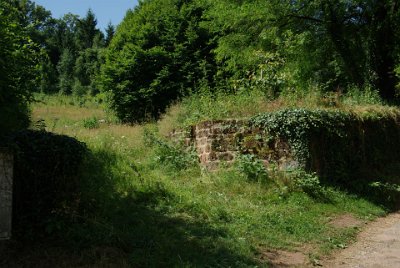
(105, 10)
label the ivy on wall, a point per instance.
(338, 145)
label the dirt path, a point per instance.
(378, 245)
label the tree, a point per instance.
(86, 71)
(110, 31)
(39, 26)
(17, 70)
(65, 69)
(332, 43)
(86, 31)
(159, 53)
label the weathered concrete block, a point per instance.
(6, 186)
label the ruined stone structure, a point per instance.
(6, 184)
(220, 141)
(367, 148)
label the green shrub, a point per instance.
(251, 167)
(174, 157)
(91, 123)
(388, 193)
(362, 96)
(45, 178)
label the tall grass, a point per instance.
(141, 207)
(207, 105)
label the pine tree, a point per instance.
(110, 31)
(65, 69)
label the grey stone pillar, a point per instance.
(6, 186)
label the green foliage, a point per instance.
(300, 126)
(68, 48)
(110, 32)
(364, 96)
(159, 53)
(252, 168)
(18, 71)
(329, 43)
(174, 157)
(40, 27)
(340, 146)
(389, 192)
(307, 182)
(206, 105)
(310, 184)
(46, 185)
(91, 123)
(86, 31)
(65, 68)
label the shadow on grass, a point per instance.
(381, 187)
(138, 222)
(134, 220)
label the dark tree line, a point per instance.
(39, 53)
(70, 48)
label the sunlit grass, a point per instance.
(244, 104)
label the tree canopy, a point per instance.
(166, 49)
(161, 51)
(18, 69)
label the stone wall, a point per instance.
(364, 148)
(6, 184)
(220, 141)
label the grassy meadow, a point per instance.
(147, 204)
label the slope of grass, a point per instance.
(208, 105)
(139, 208)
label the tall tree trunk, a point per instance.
(383, 46)
(337, 33)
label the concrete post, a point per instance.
(6, 186)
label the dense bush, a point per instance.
(45, 177)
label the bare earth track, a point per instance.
(378, 245)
